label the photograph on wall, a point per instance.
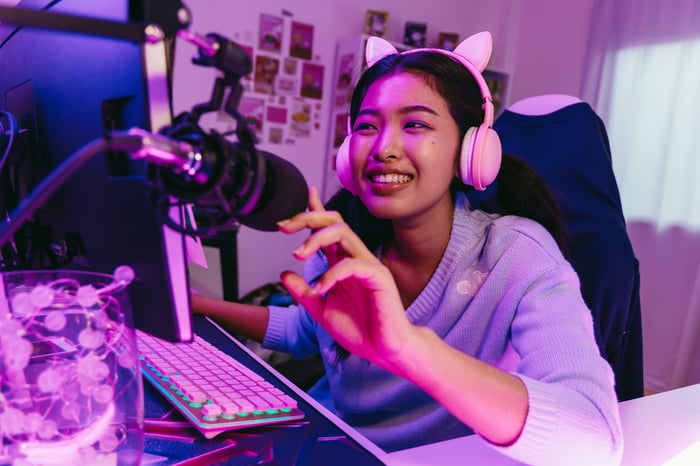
(414, 34)
(376, 23)
(346, 65)
(253, 109)
(341, 129)
(300, 121)
(266, 71)
(270, 36)
(312, 80)
(498, 85)
(448, 41)
(290, 66)
(287, 85)
(302, 40)
(276, 114)
(276, 135)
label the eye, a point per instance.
(363, 126)
(415, 125)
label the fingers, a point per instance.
(315, 218)
(315, 203)
(337, 241)
(300, 290)
(373, 275)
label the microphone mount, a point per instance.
(242, 169)
(218, 52)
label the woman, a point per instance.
(435, 320)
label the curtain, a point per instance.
(643, 79)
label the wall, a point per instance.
(541, 43)
(549, 48)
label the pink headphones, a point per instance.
(480, 155)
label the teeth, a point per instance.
(391, 178)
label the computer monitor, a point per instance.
(65, 90)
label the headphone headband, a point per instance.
(487, 103)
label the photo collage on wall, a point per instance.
(281, 101)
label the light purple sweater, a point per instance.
(504, 294)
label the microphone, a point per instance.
(230, 183)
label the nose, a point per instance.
(388, 144)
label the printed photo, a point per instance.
(276, 135)
(270, 36)
(277, 114)
(300, 124)
(376, 23)
(448, 41)
(302, 40)
(341, 129)
(287, 85)
(312, 80)
(253, 109)
(414, 34)
(290, 66)
(346, 66)
(498, 85)
(266, 71)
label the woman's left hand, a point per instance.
(356, 300)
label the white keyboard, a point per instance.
(211, 389)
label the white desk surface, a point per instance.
(660, 429)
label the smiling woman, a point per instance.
(435, 320)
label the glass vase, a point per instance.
(71, 386)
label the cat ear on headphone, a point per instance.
(476, 49)
(376, 49)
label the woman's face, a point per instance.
(403, 150)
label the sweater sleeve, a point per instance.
(291, 329)
(573, 415)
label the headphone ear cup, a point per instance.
(480, 158)
(342, 166)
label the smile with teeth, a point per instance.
(391, 178)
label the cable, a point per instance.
(14, 129)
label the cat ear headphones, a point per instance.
(480, 153)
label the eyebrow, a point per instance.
(402, 111)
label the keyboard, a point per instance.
(215, 392)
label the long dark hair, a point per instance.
(518, 190)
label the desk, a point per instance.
(661, 429)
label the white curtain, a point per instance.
(643, 79)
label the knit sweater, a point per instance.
(504, 294)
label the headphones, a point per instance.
(480, 153)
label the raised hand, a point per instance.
(356, 299)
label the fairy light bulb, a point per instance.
(90, 338)
(124, 274)
(103, 393)
(41, 296)
(87, 296)
(18, 353)
(55, 321)
(49, 381)
(22, 305)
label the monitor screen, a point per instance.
(66, 89)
